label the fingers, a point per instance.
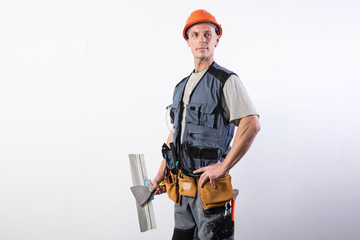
(212, 182)
(207, 175)
(202, 180)
(160, 190)
(199, 170)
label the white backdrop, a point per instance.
(84, 83)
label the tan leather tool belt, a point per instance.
(178, 185)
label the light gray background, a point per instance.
(84, 83)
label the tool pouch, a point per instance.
(172, 187)
(169, 156)
(223, 193)
(187, 186)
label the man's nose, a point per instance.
(202, 38)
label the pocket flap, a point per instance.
(201, 114)
(195, 107)
(173, 106)
(207, 108)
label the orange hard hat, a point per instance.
(201, 16)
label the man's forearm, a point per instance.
(161, 173)
(244, 137)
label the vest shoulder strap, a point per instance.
(220, 74)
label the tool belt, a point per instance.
(178, 185)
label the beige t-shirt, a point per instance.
(235, 100)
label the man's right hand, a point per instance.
(158, 189)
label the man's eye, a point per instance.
(207, 34)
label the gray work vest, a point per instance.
(207, 133)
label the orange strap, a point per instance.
(233, 211)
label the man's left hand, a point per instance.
(210, 173)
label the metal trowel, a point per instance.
(143, 194)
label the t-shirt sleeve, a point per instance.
(236, 101)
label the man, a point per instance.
(197, 156)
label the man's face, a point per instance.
(202, 41)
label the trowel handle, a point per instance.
(161, 184)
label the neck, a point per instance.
(201, 64)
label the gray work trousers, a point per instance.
(211, 224)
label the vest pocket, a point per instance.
(169, 157)
(203, 153)
(207, 115)
(209, 136)
(201, 114)
(197, 157)
(172, 115)
(193, 113)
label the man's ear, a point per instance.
(187, 41)
(217, 41)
